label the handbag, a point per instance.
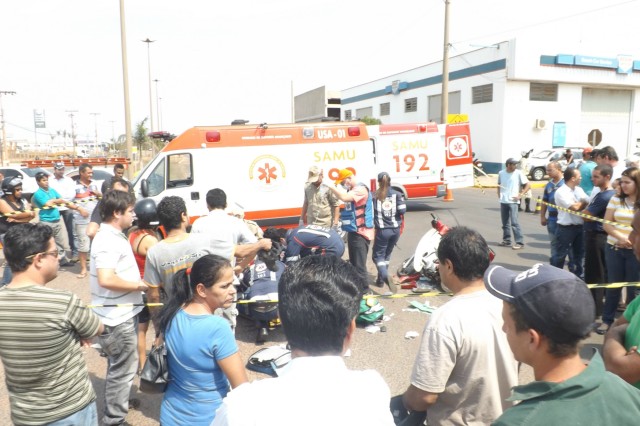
(269, 360)
(155, 373)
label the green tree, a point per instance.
(369, 121)
(140, 136)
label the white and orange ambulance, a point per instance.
(263, 168)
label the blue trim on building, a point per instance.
(582, 61)
(454, 75)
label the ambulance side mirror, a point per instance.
(144, 188)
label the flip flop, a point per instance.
(82, 275)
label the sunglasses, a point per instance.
(44, 253)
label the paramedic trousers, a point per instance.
(358, 247)
(383, 244)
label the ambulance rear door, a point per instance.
(413, 155)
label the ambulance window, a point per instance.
(156, 179)
(180, 170)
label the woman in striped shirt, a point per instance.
(622, 265)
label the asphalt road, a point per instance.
(390, 353)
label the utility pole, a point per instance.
(125, 82)
(148, 41)
(3, 151)
(158, 106)
(73, 132)
(444, 112)
(95, 124)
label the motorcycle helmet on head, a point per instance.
(9, 184)
(146, 212)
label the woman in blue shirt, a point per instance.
(389, 208)
(201, 349)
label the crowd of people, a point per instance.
(597, 252)
(466, 369)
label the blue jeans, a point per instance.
(570, 238)
(120, 343)
(622, 265)
(87, 416)
(509, 214)
(383, 245)
(552, 225)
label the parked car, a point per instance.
(538, 161)
(100, 174)
(29, 184)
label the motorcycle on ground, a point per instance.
(420, 271)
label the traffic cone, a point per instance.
(449, 195)
(538, 205)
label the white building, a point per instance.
(518, 96)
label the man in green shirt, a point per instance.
(547, 312)
(621, 342)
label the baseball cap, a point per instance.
(381, 175)
(314, 174)
(58, 166)
(342, 175)
(553, 301)
(511, 160)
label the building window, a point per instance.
(364, 112)
(411, 105)
(347, 115)
(482, 94)
(434, 103)
(543, 92)
(385, 109)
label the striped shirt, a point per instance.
(111, 250)
(622, 213)
(45, 371)
(388, 212)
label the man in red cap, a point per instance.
(356, 218)
(586, 168)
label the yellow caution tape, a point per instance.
(67, 204)
(587, 216)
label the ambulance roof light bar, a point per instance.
(354, 131)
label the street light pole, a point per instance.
(3, 150)
(125, 82)
(158, 106)
(73, 133)
(95, 124)
(148, 41)
(444, 112)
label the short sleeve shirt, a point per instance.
(40, 198)
(510, 184)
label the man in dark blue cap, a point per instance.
(547, 312)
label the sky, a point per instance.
(216, 61)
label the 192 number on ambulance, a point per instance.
(409, 162)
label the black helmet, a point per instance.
(10, 183)
(146, 212)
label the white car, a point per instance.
(29, 184)
(538, 161)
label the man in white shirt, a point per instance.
(319, 299)
(512, 185)
(464, 370)
(569, 233)
(66, 187)
(115, 278)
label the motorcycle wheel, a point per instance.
(406, 268)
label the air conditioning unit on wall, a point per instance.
(541, 124)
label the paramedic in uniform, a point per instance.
(357, 218)
(321, 206)
(312, 240)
